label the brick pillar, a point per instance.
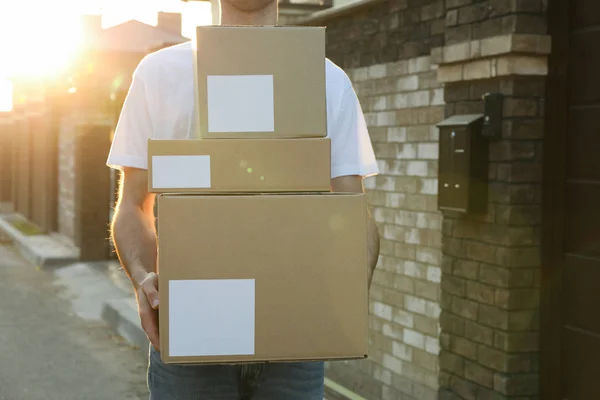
(53, 132)
(491, 262)
(6, 155)
(92, 191)
(43, 164)
(22, 164)
(14, 161)
(66, 177)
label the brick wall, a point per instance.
(413, 63)
(61, 180)
(385, 49)
(43, 169)
(475, 19)
(385, 32)
(92, 190)
(490, 277)
(491, 267)
(66, 177)
(491, 263)
(6, 156)
(84, 190)
(402, 101)
(22, 164)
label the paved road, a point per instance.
(48, 353)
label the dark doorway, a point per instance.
(571, 238)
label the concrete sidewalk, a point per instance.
(40, 250)
(97, 290)
(50, 348)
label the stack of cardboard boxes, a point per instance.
(257, 259)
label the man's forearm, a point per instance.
(134, 238)
(373, 245)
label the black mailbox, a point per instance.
(463, 164)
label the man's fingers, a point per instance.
(150, 326)
(150, 288)
(148, 303)
(149, 321)
(152, 295)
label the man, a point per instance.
(160, 104)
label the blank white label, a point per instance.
(240, 103)
(171, 172)
(211, 317)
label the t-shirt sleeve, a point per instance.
(130, 143)
(351, 149)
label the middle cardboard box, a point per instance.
(239, 165)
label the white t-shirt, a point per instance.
(160, 104)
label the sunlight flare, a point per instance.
(39, 40)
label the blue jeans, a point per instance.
(268, 381)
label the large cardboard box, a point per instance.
(275, 277)
(260, 82)
(239, 165)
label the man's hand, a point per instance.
(147, 299)
(134, 236)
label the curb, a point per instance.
(335, 391)
(121, 315)
(96, 295)
(40, 250)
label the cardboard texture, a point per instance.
(260, 82)
(266, 277)
(239, 165)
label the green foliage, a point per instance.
(26, 228)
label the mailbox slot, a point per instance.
(463, 164)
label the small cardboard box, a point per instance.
(239, 165)
(260, 82)
(272, 277)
